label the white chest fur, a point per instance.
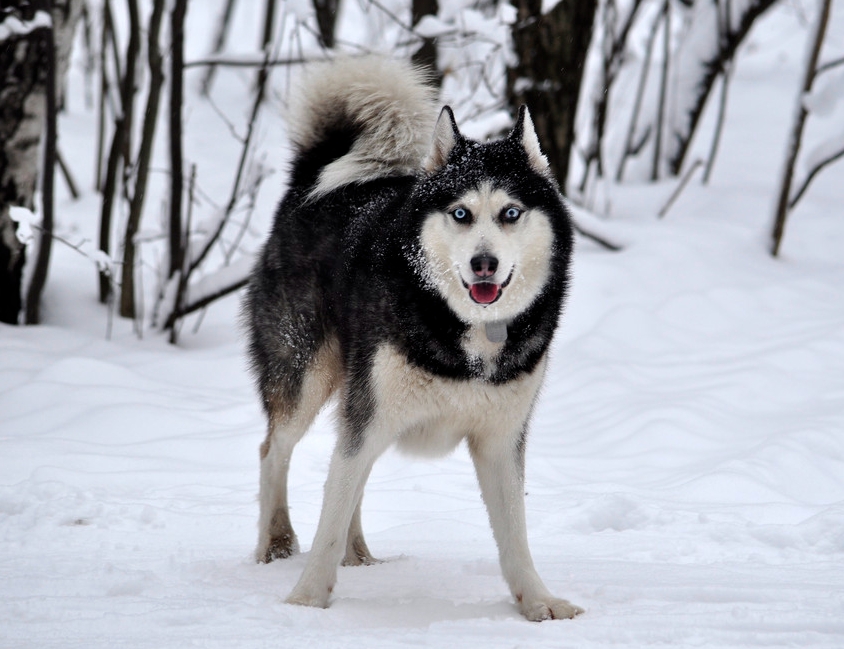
(430, 415)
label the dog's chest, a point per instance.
(430, 414)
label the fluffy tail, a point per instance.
(358, 119)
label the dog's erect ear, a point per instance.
(525, 132)
(446, 136)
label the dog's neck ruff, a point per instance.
(496, 332)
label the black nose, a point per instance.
(484, 265)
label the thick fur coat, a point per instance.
(419, 275)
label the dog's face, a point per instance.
(487, 247)
(487, 254)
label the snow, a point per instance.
(685, 469)
(13, 26)
(25, 219)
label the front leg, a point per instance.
(499, 463)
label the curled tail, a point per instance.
(358, 119)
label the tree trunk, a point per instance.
(23, 82)
(551, 50)
(44, 238)
(176, 163)
(426, 56)
(326, 17)
(64, 14)
(136, 206)
(121, 139)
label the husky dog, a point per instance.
(421, 279)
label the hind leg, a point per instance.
(289, 419)
(276, 538)
(357, 552)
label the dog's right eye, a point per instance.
(461, 215)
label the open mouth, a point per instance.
(486, 292)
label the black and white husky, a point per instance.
(421, 279)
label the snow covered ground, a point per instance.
(685, 470)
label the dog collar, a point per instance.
(496, 332)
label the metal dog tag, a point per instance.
(496, 332)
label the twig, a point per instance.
(605, 243)
(184, 272)
(629, 148)
(829, 65)
(205, 301)
(663, 91)
(811, 176)
(219, 43)
(235, 193)
(724, 11)
(68, 177)
(796, 135)
(242, 63)
(678, 190)
(719, 124)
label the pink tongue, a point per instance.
(484, 292)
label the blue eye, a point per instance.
(460, 214)
(512, 214)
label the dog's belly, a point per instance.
(430, 415)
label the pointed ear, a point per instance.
(525, 132)
(446, 136)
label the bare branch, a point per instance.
(829, 65)
(679, 189)
(68, 177)
(219, 43)
(796, 134)
(235, 193)
(227, 61)
(811, 176)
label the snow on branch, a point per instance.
(710, 44)
(12, 26)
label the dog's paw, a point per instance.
(302, 596)
(278, 548)
(548, 608)
(358, 554)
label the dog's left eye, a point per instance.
(511, 214)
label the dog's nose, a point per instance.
(484, 265)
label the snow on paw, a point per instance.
(357, 553)
(304, 596)
(278, 548)
(548, 608)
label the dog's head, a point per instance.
(493, 224)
